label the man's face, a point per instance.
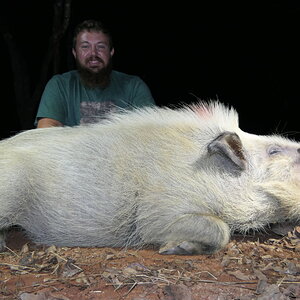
(92, 51)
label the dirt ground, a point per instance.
(261, 266)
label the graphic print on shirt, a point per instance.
(93, 112)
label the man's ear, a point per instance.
(74, 52)
(112, 51)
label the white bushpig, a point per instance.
(183, 179)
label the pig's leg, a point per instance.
(12, 195)
(2, 240)
(195, 234)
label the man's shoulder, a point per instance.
(121, 76)
(67, 76)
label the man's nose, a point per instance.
(93, 50)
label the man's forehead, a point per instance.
(92, 33)
(92, 36)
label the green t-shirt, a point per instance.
(68, 101)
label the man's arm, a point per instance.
(51, 110)
(47, 122)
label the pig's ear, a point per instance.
(229, 145)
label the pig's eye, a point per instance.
(274, 150)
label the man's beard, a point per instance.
(91, 79)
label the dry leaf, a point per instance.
(240, 275)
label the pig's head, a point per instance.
(278, 159)
(263, 170)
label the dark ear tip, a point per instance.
(229, 144)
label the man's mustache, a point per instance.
(95, 58)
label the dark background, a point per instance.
(244, 53)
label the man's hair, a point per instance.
(92, 25)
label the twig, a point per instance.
(66, 260)
(12, 251)
(17, 266)
(131, 288)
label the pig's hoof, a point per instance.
(186, 248)
(2, 245)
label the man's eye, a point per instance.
(101, 47)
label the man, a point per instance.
(86, 94)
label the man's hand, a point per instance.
(47, 122)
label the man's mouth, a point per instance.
(95, 61)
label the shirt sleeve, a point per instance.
(52, 104)
(141, 95)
